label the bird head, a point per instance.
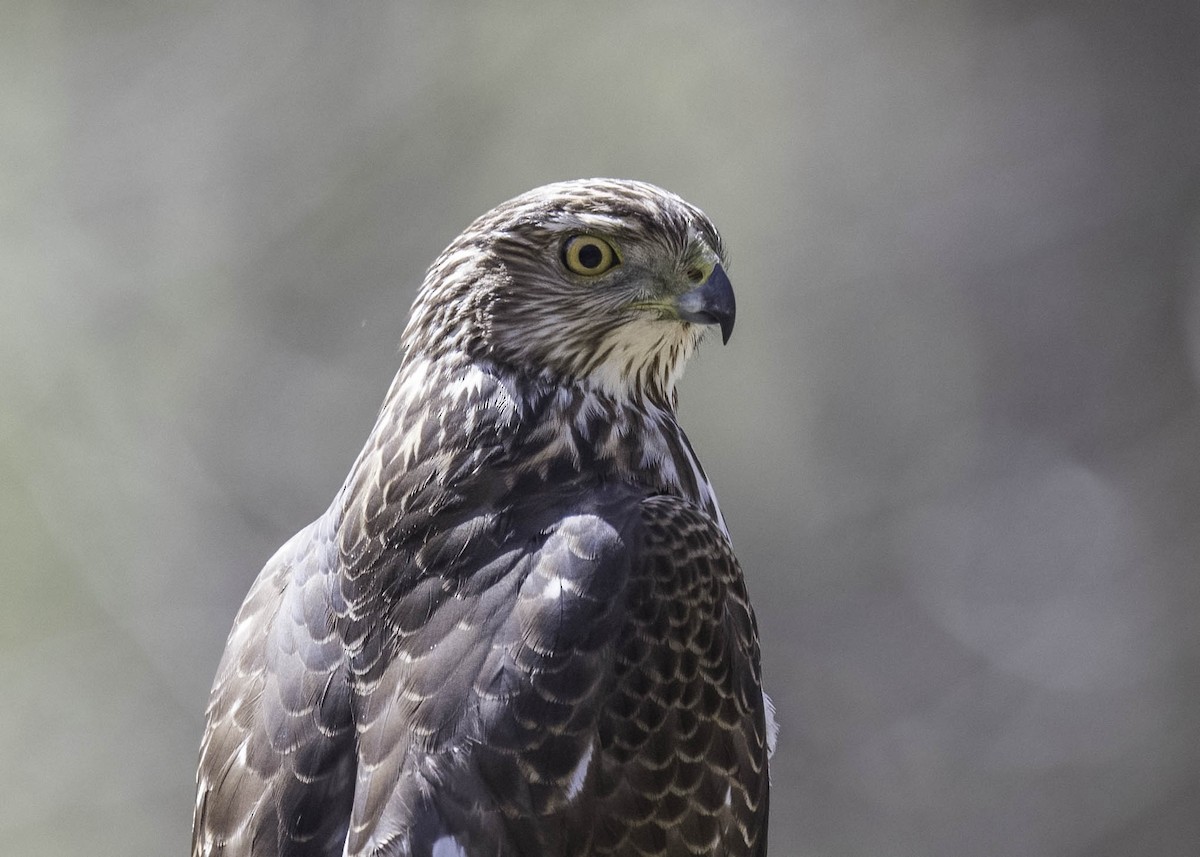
(600, 282)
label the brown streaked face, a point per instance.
(604, 282)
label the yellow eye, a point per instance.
(588, 255)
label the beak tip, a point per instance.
(712, 302)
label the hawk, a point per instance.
(520, 629)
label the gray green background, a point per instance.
(956, 432)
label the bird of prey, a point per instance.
(519, 630)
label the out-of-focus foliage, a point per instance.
(956, 433)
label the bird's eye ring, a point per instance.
(588, 255)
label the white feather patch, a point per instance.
(579, 774)
(772, 724)
(447, 846)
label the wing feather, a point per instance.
(597, 690)
(277, 757)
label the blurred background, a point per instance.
(956, 433)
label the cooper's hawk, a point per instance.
(520, 629)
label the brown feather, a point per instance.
(520, 629)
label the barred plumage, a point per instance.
(520, 628)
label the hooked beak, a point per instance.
(711, 302)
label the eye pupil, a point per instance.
(590, 256)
